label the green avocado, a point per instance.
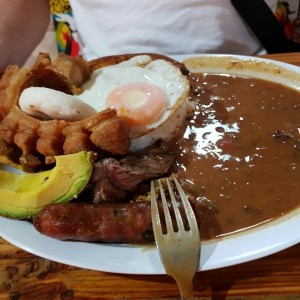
(24, 195)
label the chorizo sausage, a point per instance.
(105, 222)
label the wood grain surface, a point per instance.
(25, 276)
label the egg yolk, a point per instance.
(138, 103)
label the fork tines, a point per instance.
(178, 245)
(177, 210)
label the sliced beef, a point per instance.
(126, 174)
(105, 190)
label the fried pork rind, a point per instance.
(31, 143)
(10, 88)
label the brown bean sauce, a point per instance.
(240, 152)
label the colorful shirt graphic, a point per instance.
(65, 30)
(287, 13)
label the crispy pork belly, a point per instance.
(9, 152)
(75, 70)
(66, 73)
(10, 88)
(111, 134)
(18, 136)
(42, 61)
(25, 138)
(51, 139)
(105, 129)
(77, 139)
(30, 139)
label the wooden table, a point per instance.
(26, 276)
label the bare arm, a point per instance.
(23, 24)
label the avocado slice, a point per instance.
(24, 195)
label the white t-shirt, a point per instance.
(108, 27)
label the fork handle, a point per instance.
(185, 285)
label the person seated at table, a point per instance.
(169, 27)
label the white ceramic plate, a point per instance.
(248, 245)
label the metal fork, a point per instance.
(179, 249)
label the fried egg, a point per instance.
(151, 95)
